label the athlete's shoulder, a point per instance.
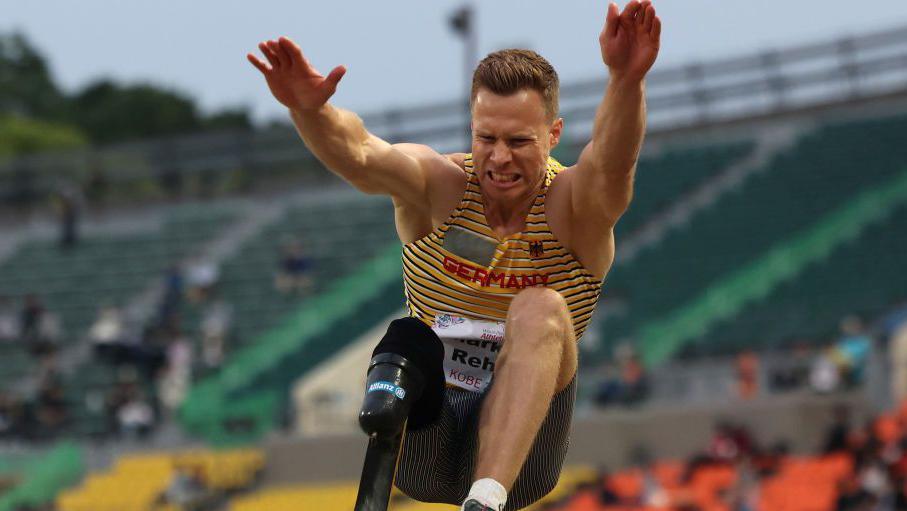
(555, 166)
(460, 159)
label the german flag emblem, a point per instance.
(535, 249)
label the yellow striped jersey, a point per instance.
(462, 269)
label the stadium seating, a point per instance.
(106, 269)
(861, 276)
(276, 338)
(821, 172)
(800, 484)
(662, 179)
(136, 482)
(99, 270)
(337, 237)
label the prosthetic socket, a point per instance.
(405, 380)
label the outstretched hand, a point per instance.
(630, 39)
(291, 77)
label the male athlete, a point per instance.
(504, 251)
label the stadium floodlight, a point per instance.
(462, 22)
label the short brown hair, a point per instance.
(505, 72)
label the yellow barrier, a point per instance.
(342, 496)
(136, 482)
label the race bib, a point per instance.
(470, 350)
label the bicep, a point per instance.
(398, 170)
(600, 190)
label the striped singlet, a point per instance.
(462, 269)
(460, 279)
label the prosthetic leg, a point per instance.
(405, 383)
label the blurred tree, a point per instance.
(105, 111)
(235, 118)
(109, 112)
(26, 86)
(20, 135)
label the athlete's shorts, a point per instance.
(437, 462)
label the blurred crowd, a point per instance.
(149, 362)
(861, 466)
(839, 364)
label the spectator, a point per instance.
(215, 326)
(32, 313)
(52, 409)
(838, 432)
(728, 443)
(824, 376)
(853, 350)
(653, 493)
(626, 383)
(172, 298)
(135, 416)
(177, 375)
(201, 278)
(68, 204)
(635, 382)
(116, 397)
(187, 489)
(48, 371)
(609, 389)
(743, 495)
(747, 368)
(107, 332)
(9, 322)
(11, 415)
(40, 329)
(794, 373)
(606, 494)
(293, 274)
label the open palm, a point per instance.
(631, 39)
(292, 78)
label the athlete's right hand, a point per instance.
(291, 77)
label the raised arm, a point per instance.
(338, 137)
(603, 184)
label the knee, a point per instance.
(542, 311)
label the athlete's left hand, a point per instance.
(630, 39)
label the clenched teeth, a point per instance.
(498, 177)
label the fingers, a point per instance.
(647, 16)
(630, 10)
(281, 55)
(612, 20)
(270, 55)
(656, 29)
(261, 66)
(293, 51)
(334, 77)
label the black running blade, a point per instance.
(378, 473)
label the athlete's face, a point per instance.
(511, 140)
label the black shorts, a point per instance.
(437, 463)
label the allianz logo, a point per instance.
(384, 386)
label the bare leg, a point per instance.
(537, 360)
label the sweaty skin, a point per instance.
(512, 137)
